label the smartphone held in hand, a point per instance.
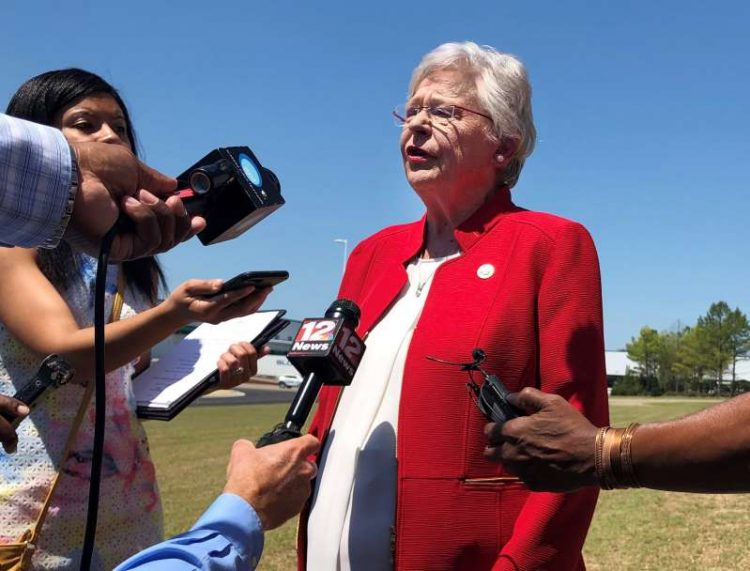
(259, 279)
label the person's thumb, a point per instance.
(196, 287)
(530, 400)
(155, 182)
(308, 444)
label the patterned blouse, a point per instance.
(130, 515)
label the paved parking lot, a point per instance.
(249, 393)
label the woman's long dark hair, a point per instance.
(40, 99)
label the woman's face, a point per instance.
(453, 159)
(96, 118)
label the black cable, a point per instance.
(100, 396)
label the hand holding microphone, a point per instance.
(224, 194)
(11, 412)
(53, 372)
(327, 351)
(113, 182)
(552, 449)
(275, 480)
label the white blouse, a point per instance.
(354, 501)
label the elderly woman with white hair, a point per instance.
(403, 482)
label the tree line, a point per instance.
(698, 359)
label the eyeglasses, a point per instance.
(441, 114)
(491, 397)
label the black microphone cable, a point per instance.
(100, 408)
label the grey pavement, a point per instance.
(248, 393)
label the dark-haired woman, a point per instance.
(46, 306)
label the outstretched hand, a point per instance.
(200, 300)
(275, 479)
(113, 181)
(551, 449)
(154, 226)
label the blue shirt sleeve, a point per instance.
(228, 536)
(37, 187)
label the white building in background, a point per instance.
(618, 365)
(742, 371)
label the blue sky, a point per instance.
(641, 107)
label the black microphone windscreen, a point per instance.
(346, 309)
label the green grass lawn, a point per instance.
(632, 529)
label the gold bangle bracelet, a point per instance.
(599, 456)
(615, 458)
(626, 458)
(607, 477)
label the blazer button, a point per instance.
(485, 271)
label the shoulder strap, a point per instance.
(117, 304)
(119, 299)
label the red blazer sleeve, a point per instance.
(551, 528)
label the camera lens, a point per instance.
(200, 182)
(211, 176)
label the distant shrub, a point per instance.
(629, 385)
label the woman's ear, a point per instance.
(505, 151)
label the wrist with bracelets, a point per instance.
(613, 461)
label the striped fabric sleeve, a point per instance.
(37, 183)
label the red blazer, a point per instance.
(539, 319)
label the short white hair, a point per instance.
(502, 88)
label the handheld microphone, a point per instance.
(327, 351)
(53, 373)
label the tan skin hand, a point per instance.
(551, 449)
(196, 300)
(33, 311)
(274, 480)
(239, 364)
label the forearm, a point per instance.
(228, 536)
(36, 193)
(125, 340)
(708, 451)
